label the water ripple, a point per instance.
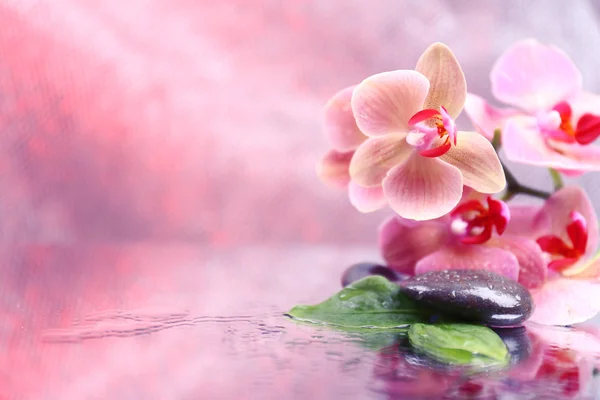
(114, 323)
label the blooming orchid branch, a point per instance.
(395, 143)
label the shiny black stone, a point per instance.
(362, 270)
(473, 295)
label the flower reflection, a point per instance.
(546, 363)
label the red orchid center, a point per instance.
(479, 221)
(566, 114)
(434, 132)
(565, 254)
(585, 132)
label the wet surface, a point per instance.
(171, 322)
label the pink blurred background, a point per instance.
(200, 120)
(147, 144)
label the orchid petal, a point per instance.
(527, 221)
(366, 199)
(416, 138)
(588, 129)
(478, 162)
(586, 112)
(385, 102)
(558, 209)
(448, 84)
(524, 143)
(481, 238)
(471, 257)
(468, 206)
(571, 173)
(578, 232)
(423, 188)
(449, 125)
(485, 118)
(534, 76)
(532, 265)
(585, 269)
(581, 158)
(471, 194)
(561, 264)
(435, 152)
(501, 213)
(333, 168)
(444, 219)
(340, 125)
(424, 115)
(584, 103)
(565, 302)
(402, 246)
(553, 244)
(376, 156)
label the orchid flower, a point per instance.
(554, 121)
(414, 150)
(463, 240)
(549, 249)
(343, 134)
(566, 229)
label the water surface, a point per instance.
(187, 322)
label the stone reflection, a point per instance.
(396, 377)
(539, 369)
(518, 342)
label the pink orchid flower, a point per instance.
(564, 278)
(343, 134)
(566, 228)
(414, 151)
(554, 120)
(463, 240)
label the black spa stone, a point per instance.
(362, 270)
(472, 295)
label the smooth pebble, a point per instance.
(479, 296)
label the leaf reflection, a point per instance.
(546, 363)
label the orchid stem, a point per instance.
(497, 140)
(513, 187)
(556, 179)
(512, 192)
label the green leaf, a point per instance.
(370, 303)
(462, 344)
